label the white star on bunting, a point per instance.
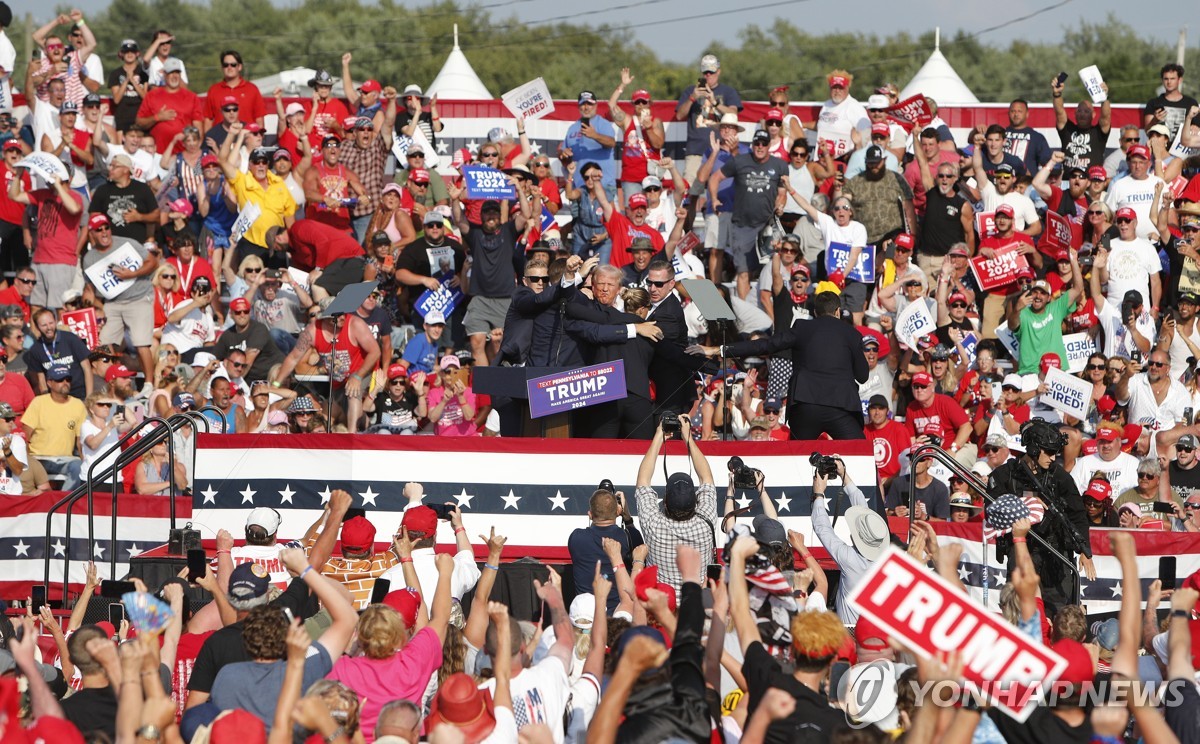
(285, 496)
(963, 573)
(134, 551)
(325, 495)
(368, 496)
(59, 548)
(783, 503)
(442, 149)
(98, 552)
(744, 502)
(473, 146)
(464, 498)
(558, 501)
(1116, 589)
(22, 548)
(248, 495)
(210, 496)
(510, 501)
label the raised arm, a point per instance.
(337, 636)
(477, 619)
(646, 469)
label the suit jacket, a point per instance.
(827, 361)
(673, 384)
(523, 311)
(608, 324)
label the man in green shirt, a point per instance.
(1037, 320)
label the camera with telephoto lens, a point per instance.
(825, 465)
(606, 485)
(672, 428)
(743, 477)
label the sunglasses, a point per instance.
(259, 161)
(641, 102)
(1129, 139)
(238, 365)
(652, 189)
(1123, 220)
(958, 304)
(1189, 506)
(842, 208)
(489, 155)
(169, 276)
(1156, 364)
(774, 122)
(229, 109)
(659, 285)
(539, 279)
(103, 404)
(420, 155)
(788, 250)
(912, 285)
(1146, 476)
(541, 165)
(230, 64)
(991, 449)
(30, 282)
(239, 312)
(921, 387)
(1095, 366)
(1184, 449)
(51, 47)
(101, 321)
(1117, 369)
(253, 271)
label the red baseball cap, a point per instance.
(239, 303)
(1099, 489)
(1063, 255)
(397, 371)
(1106, 434)
(419, 175)
(237, 726)
(648, 579)
(371, 86)
(98, 220)
(870, 636)
(358, 535)
(1025, 273)
(774, 115)
(1137, 151)
(1130, 435)
(406, 602)
(1097, 173)
(904, 240)
(1126, 213)
(957, 297)
(12, 144)
(228, 100)
(1079, 670)
(1050, 359)
(882, 128)
(118, 370)
(253, 127)
(420, 521)
(838, 81)
(641, 94)
(801, 268)
(1005, 209)
(209, 159)
(838, 277)
(922, 379)
(1105, 405)
(638, 200)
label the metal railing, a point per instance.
(160, 430)
(933, 452)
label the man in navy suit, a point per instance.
(674, 386)
(827, 366)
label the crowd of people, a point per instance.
(207, 248)
(656, 631)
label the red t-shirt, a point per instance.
(57, 228)
(328, 113)
(188, 273)
(164, 303)
(1076, 220)
(781, 433)
(250, 101)
(635, 152)
(1015, 240)
(622, 232)
(186, 105)
(10, 296)
(10, 211)
(1082, 319)
(550, 192)
(889, 441)
(15, 391)
(290, 142)
(313, 245)
(942, 412)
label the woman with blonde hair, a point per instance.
(167, 294)
(100, 431)
(1098, 228)
(391, 219)
(239, 283)
(153, 476)
(397, 661)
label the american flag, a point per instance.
(1007, 509)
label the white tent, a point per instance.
(295, 83)
(938, 80)
(457, 80)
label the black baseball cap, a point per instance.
(878, 401)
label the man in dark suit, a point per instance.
(674, 387)
(827, 366)
(538, 293)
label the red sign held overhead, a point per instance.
(83, 324)
(911, 113)
(933, 618)
(1058, 235)
(993, 273)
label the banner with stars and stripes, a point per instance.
(1101, 595)
(533, 491)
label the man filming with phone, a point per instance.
(686, 514)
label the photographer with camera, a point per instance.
(868, 531)
(686, 514)
(745, 479)
(828, 365)
(1065, 524)
(586, 544)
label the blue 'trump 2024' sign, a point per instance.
(577, 388)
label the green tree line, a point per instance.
(399, 45)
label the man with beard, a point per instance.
(130, 205)
(1082, 140)
(1037, 320)
(1072, 203)
(167, 109)
(1064, 526)
(329, 185)
(1154, 399)
(1024, 141)
(58, 349)
(949, 218)
(1001, 188)
(1179, 336)
(874, 195)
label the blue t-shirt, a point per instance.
(255, 686)
(586, 149)
(725, 192)
(697, 137)
(420, 353)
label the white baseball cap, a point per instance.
(202, 359)
(649, 181)
(264, 517)
(583, 609)
(435, 317)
